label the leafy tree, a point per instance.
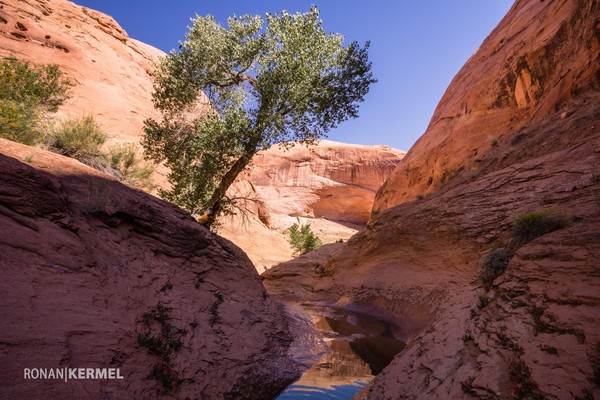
(303, 239)
(282, 82)
(27, 92)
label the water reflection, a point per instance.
(360, 346)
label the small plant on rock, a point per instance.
(594, 376)
(537, 223)
(303, 239)
(125, 159)
(492, 265)
(79, 138)
(28, 92)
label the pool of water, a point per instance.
(359, 347)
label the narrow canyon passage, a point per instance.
(358, 347)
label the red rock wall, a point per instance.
(111, 72)
(87, 263)
(540, 56)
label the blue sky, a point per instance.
(416, 48)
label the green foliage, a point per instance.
(81, 138)
(27, 93)
(282, 82)
(163, 343)
(78, 138)
(537, 223)
(303, 239)
(125, 159)
(163, 373)
(492, 265)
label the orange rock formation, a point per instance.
(111, 71)
(331, 186)
(541, 56)
(517, 131)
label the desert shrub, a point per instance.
(125, 159)
(492, 264)
(18, 123)
(27, 93)
(303, 239)
(537, 223)
(79, 138)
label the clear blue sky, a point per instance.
(416, 48)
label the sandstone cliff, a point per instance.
(99, 275)
(516, 132)
(541, 56)
(111, 71)
(331, 186)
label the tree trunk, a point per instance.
(214, 205)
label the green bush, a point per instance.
(492, 265)
(125, 159)
(27, 93)
(79, 138)
(303, 239)
(537, 223)
(19, 123)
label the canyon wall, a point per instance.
(110, 70)
(331, 186)
(515, 136)
(539, 57)
(99, 275)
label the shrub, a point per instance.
(131, 166)
(303, 239)
(492, 265)
(537, 223)
(483, 301)
(27, 93)
(79, 138)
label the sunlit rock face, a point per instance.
(110, 70)
(535, 63)
(331, 186)
(99, 275)
(516, 132)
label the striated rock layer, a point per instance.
(540, 57)
(331, 186)
(111, 71)
(98, 275)
(525, 147)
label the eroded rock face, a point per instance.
(331, 186)
(111, 71)
(532, 146)
(99, 275)
(540, 57)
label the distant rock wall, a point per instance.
(331, 186)
(336, 181)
